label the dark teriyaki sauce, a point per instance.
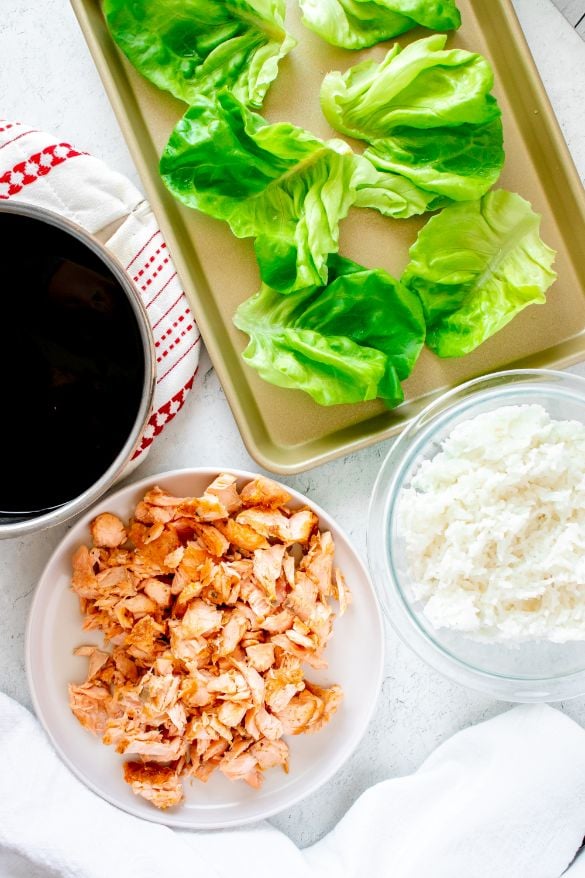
(72, 366)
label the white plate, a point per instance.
(355, 656)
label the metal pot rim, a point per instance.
(116, 468)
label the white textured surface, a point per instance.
(48, 80)
(478, 802)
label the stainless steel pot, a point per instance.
(14, 525)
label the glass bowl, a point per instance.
(528, 672)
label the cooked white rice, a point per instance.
(494, 528)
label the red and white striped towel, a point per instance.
(38, 169)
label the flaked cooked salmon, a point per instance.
(156, 783)
(107, 530)
(209, 606)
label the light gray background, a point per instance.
(47, 79)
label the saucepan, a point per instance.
(77, 369)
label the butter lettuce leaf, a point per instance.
(193, 47)
(351, 341)
(356, 24)
(475, 266)
(427, 115)
(422, 86)
(391, 194)
(461, 163)
(274, 182)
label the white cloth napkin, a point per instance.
(38, 169)
(504, 799)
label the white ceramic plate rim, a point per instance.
(167, 818)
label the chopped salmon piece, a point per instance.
(268, 567)
(155, 750)
(318, 562)
(256, 599)
(305, 654)
(148, 514)
(158, 693)
(273, 524)
(300, 638)
(174, 558)
(283, 683)
(220, 582)
(156, 783)
(114, 583)
(302, 599)
(302, 710)
(270, 754)
(341, 592)
(268, 725)
(212, 721)
(191, 590)
(194, 692)
(231, 684)
(137, 534)
(242, 537)
(203, 772)
(192, 651)
(97, 659)
(310, 710)
(178, 717)
(225, 489)
(201, 618)
(104, 622)
(212, 539)
(164, 664)
(288, 568)
(232, 713)
(189, 569)
(157, 591)
(214, 750)
(264, 492)
(253, 679)
(244, 767)
(125, 665)
(301, 525)
(232, 632)
(139, 605)
(261, 656)
(149, 559)
(321, 623)
(108, 531)
(84, 579)
(184, 529)
(239, 746)
(279, 623)
(158, 497)
(206, 508)
(247, 611)
(280, 697)
(142, 641)
(154, 533)
(89, 703)
(331, 696)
